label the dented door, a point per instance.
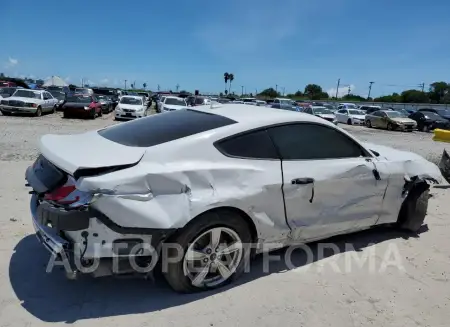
(328, 197)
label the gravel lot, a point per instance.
(416, 293)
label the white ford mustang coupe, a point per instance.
(214, 180)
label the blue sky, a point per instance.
(396, 43)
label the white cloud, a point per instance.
(104, 81)
(343, 90)
(67, 79)
(11, 62)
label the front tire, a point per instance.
(349, 121)
(208, 241)
(6, 113)
(414, 208)
(390, 127)
(368, 124)
(54, 109)
(38, 112)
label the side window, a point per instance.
(376, 113)
(49, 96)
(313, 142)
(342, 111)
(340, 107)
(382, 113)
(276, 101)
(253, 145)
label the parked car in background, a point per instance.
(106, 103)
(350, 116)
(173, 103)
(261, 103)
(428, 120)
(7, 84)
(284, 103)
(196, 100)
(159, 103)
(330, 107)
(82, 105)
(444, 113)
(130, 107)
(370, 109)
(112, 94)
(346, 105)
(60, 96)
(321, 112)
(390, 120)
(147, 95)
(84, 90)
(6, 92)
(64, 89)
(220, 184)
(28, 101)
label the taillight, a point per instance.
(61, 193)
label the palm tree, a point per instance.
(226, 77)
(231, 78)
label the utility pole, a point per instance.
(337, 88)
(177, 87)
(125, 85)
(370, 89)
(276, 88)
(242, 92)
(159, 87)
(349, 90)
(283, 90)
(423, 87)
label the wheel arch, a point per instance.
(416, 184)
(228, 209)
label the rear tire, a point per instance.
(368, 124)
(414, 208)
(175, 272)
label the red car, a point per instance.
(82, 105)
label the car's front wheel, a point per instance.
(414, 209)
(215, 250)
(349, 121)
(368, 124)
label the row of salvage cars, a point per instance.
(198, 191)
(424, 119)
(38, 102)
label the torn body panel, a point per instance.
(400, 168)
(170, 195)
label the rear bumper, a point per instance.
(60, 231)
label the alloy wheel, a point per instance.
(213, 257)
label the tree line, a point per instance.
(438, 92)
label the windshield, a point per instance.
(394, 114)
(27, 94)
(351, 106)
(82, 91)
(356, 112)
(321, 111)
(287, 102)
(101, 97)
(175, 102)
(6, 90)
(79, 99)
(443, 112)
(133, 101)
(58, 95)
(431, 115)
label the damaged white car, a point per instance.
(215, 180)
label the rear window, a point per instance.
(162, 128)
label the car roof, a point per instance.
(133, 96)
(173, 97)
(250, 116)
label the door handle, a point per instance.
(302, 181)
(376, 174)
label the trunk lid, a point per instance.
(87, 151)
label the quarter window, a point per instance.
(313, 142)
(253, 145)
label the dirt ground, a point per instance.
(405, 280)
